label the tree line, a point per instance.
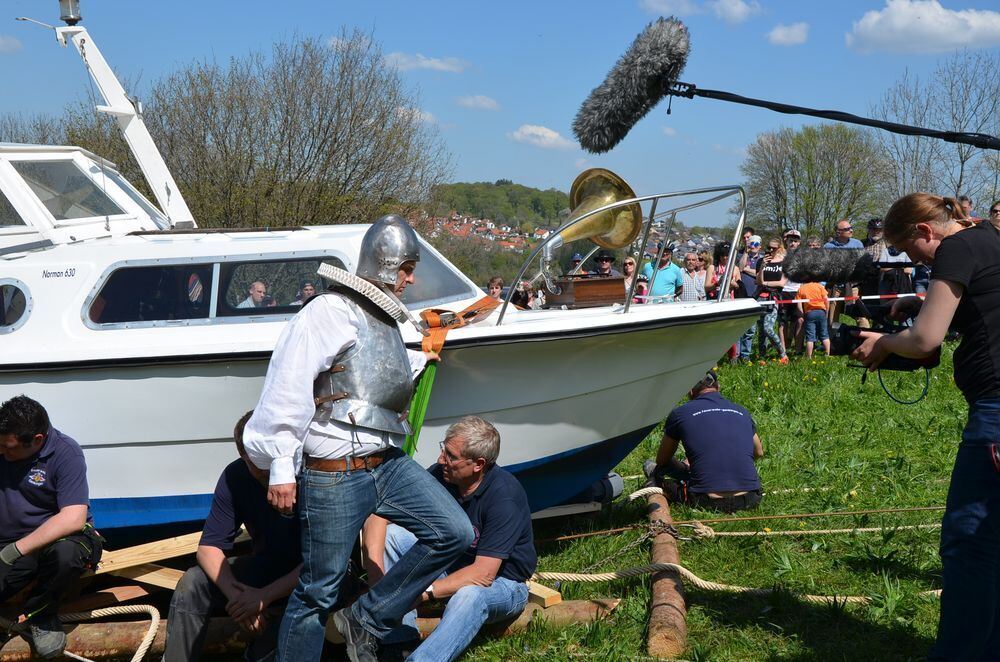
(310, 133)
(809, 178)
(502, 201)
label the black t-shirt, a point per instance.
(239, 500)
(971, 258)
(769, 272)
(718, 440)
(501, 519)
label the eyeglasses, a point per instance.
(604, 259)
(994, 212)
(448, 456)
(847, 229)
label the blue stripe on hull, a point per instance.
(548, 481)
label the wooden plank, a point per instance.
(151, 573)
(568, 509)
(148, 553)
(543, 596)
(667, 633)
(151, 552)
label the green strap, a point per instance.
(418, 407)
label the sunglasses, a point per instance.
(995, 211)
(847, 229)
(754, 243)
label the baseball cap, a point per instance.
(875, 223)
(754, 239)
(576, 258)
(795, 234)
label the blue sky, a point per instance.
(503, 81)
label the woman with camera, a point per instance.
(964, 294)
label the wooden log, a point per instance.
(106, 641)
(667, 638)
(560, 615)
(119, 640)
(543, 596)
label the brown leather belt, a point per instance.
(345, 463)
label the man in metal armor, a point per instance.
(333, 413)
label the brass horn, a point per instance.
(615, 228)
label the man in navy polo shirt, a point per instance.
(487, 583)
(46, 532)
(246, 585)
(721, 444)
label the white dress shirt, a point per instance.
(282, 426)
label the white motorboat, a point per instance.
(139, 334)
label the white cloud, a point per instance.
(789, 35)
(668, 7)
(9, 44)
(407, 61)
(417, 114)
(540, 136)
(669, 131)
(479, 102)
(923, 26)
(734, 11)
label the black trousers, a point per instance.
(676, 490)
(196, 598)
(55, 567)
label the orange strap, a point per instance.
(440, 321)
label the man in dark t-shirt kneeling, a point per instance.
(47, 538)
(246, 585)
(487, 583)
(721, 443)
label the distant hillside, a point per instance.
(502, 202)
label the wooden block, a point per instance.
(150, 573)
(108, 597)
(587, 292)
(543, 596)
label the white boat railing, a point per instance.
(722, 192)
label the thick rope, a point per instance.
(698, 582)
(700, 530)
(140, 653)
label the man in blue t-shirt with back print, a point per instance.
(721, 444)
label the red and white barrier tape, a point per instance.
(769, 302)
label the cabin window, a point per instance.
(154, 293)
(14, 305)
(65, 190)
(8, 215)
(435, 282)
(276, 287)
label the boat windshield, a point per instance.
(436, 283)
(65, 190)
(8, 215)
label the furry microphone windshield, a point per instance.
(835, 265)
(636, 83)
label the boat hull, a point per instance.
(569, 406)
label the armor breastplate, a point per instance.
(371, 383)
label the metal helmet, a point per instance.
(389, 242)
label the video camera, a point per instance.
(848, 338)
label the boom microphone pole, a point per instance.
(649, 70)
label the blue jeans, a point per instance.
(816, 328)
(332, 508)
(466, 612)
(746, 341)
(969, 627)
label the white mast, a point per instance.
(128, 114)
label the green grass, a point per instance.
(821, 429)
